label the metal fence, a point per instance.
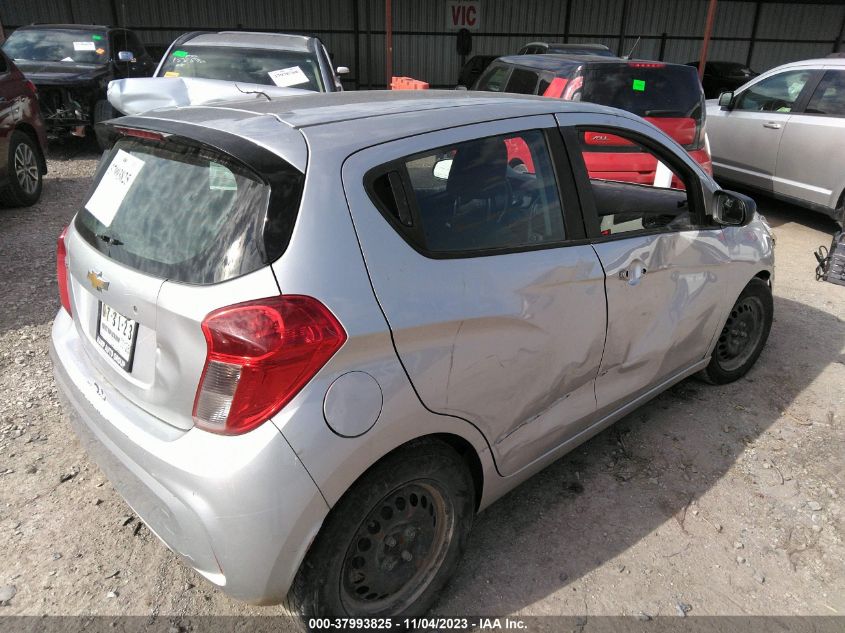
(761, 34)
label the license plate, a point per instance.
(116, 335)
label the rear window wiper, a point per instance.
(111, 241)
(676, 113)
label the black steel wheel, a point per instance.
(391, 543)
(397, 549)
(744, 334)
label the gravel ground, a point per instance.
(708, 500)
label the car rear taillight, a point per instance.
(555, 89)
(259, 356)
(574, 86)
(144, 134)
(31, 88)
(61, 271)
(646, 65)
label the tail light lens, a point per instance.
(31, 87)
(573, 87)
(555, 89)
(61, 271)
(260, 355)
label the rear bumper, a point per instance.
(241, 510)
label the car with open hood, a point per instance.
(203, 67)
(71, 65)
(309, 338)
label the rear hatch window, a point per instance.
(668, 95)
(185, 212)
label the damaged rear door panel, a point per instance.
(509, 339)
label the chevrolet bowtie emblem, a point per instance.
(97, 281)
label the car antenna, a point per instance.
(253, 92)
(628, 56)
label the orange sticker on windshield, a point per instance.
(170, 73)
(100, 51)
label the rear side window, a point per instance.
(494, 79)
(185, 213)
(829, 96)
(489, 194)
(523, 81)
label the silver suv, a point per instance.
(783, 133)
(308, 339)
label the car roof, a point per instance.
(380, 116)
(819, 61)
(593, 45)
(280, 41)
(555, 61)
(67, 27)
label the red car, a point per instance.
(22, 138)
(667, 95)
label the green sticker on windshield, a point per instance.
(97, 37)
(639, 85)
(180, 53)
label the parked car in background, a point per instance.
(268, 59)
(202, 67)
(280, 384)
(472, 70)
(722, 77)
(543, 48)
(71, 65)
(667, 95)
(22, 138)
(783, 133)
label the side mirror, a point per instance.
(733, 209)
(342, 70)
(461, 87)
(726, 100)
(125, 56)
(442, 168)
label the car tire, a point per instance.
(743, 336)
(24, 162)
(418, 502)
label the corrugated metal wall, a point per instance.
(424, 49)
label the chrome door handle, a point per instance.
(772, 125)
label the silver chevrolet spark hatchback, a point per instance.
(308, 339)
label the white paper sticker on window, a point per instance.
(113, 187)
(292, 76)
(84, 46)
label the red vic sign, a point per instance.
(463, 15)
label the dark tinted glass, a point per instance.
(669, 91)
(189, 214)
(829, 96)
(522, 82)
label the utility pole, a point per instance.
(708, 31)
